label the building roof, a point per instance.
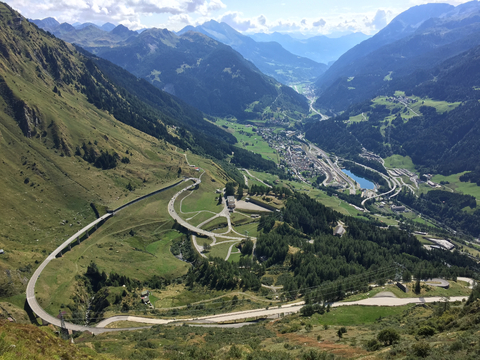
(443, 243)
(339, 230)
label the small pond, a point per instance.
(364, 183)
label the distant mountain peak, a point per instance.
(108, 26)
(48, 24)
(84, 25)
(122, 30)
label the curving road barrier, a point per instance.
(234, 316)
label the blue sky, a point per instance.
(311, 17)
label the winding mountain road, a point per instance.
(194, 229)
(233, 316)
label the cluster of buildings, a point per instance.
(404, 172)
(401, 99)
(290, 149)
(371, 156)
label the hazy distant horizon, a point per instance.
(310, 19)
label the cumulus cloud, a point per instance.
(235, 20)
(286, 26)
(124, 11)
(379, 21)
(319, 23)
(262, 20)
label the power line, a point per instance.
(217, 303)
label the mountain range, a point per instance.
(270, 57)
(51, 24)
(203, 72)
(76, 129)
(420, 38)
(322, 49)
(441, 135)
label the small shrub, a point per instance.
(372, 345)
(388, 336)
(426, 331)
(234, 352)
(456, 346)
(421, 349)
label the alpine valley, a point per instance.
(216, 194)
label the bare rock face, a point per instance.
(27, 118)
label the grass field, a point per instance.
(357, 315)
(178, 295)
(135, 242)
(248, 139)
(221, 250)
(251, 228)
(203, 198)
(455, 184)
(441, 106)
(264, 176)
(401, 162)
(332, 202)
(234, 257)
(199, 218)
(159, 248)
(238, 219)
(456, 289)
(219, 222)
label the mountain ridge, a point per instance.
(321, 48)
(430, 43)
(177, 65)
(271, 58)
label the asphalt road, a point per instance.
(31, 299)
(195, 229)
(234, 316)
(276, 311)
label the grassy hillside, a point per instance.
(64, 149)
(203, 72)
(23, 342)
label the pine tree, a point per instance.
(417, 286)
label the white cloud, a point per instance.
(319, 23)
(285, 26)
(379, 21)
(121, 11)
(262, 20)
(175, 14)
(235, 20)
